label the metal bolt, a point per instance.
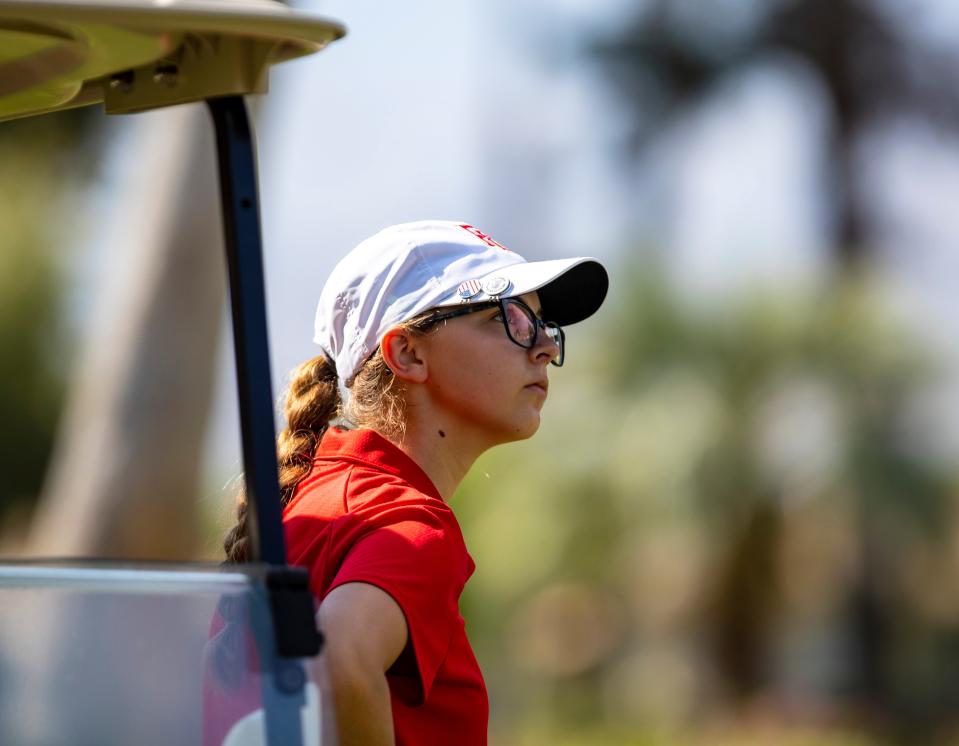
(290, 678)
(166, 75)
(122, 82)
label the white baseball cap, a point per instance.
(410, 268)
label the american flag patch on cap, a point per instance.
(468, 289)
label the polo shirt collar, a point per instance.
(370, 448)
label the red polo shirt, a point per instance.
(368, 513)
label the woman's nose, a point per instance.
(545, 348)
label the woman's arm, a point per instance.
(365, 633)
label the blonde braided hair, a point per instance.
(312, 402)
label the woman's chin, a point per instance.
(526, 429)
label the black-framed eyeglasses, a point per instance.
(521, 323)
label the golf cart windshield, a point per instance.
(91, 654)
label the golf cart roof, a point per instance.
(135, 55)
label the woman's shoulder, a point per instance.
(375, 500)
(357, 490)
(370, 486)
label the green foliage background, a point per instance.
(730, 528)
(687, 541)
(44, 160)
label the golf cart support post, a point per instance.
(296, 633)
(138, 55)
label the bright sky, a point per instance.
(430, 109)
(481, 111)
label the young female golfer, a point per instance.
(436, 342)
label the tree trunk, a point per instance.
(123, 479)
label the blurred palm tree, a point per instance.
(110, 432)
(672, 54)
(125, 477)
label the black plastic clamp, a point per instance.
(292, 605)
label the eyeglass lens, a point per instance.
(522, 328)
(521, 325)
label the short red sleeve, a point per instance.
(415, 560)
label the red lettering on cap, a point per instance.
(488, 240)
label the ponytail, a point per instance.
(312, 401)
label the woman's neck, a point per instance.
(445, 456)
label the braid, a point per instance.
(311, 402)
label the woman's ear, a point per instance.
(403, 353)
